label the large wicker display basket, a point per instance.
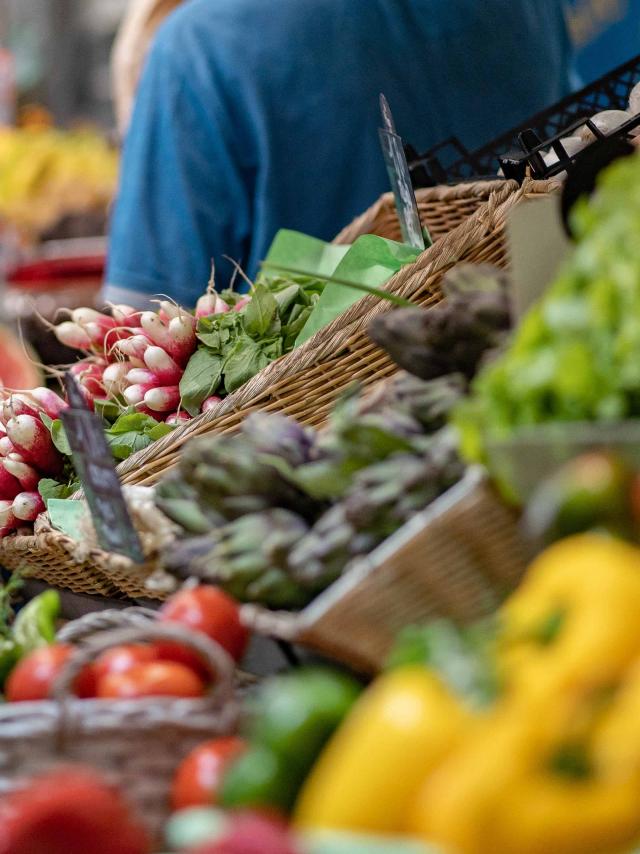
(136, 744)
(305, 384)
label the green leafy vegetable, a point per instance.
(133, 432)
(56, 428)
(201, 379)
(576, 354)
(248, 358)
(261, 312)
(236, 345)
(357, 286)
(49, 488)
(35, 624)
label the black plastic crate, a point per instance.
(450, 162)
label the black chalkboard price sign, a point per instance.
(400, 177)
(96, 469)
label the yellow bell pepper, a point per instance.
(371, 769)
(499, 794)
(616, 744)
(574, 621)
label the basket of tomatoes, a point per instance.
(130, 693)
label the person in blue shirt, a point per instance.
(256, 115)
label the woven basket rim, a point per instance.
(444, 193)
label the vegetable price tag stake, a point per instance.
(400, 177)
(96, 469)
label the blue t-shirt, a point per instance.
(256, 115)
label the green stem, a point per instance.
(357, 286)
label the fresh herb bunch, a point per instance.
(236, 345)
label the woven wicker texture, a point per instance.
(441, 209)
(52, 556)
(136, 744)
(456, 559)
(304, 384)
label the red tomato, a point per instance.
(155, 679)
(32, 678)
(209, 610)
(71, 811)
(198, 778)
(119, 659)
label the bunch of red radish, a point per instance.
(137, 358)
(27, 454)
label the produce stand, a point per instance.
(304, 385)
(431, 500)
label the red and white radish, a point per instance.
(163, 399)
(211, 304)
(141, 376)
(125, 315)
(210, 403)
(169, 310)
(83, 316)
(114, 378)
(27, 506)
(72, 335)
(134, 347)
(242, 303)
(34, 443)
(9, 485)
(178, 418)
(163, 367)
(50, 402)
(25, 474)
(134, 394)
(6, 446)
(17, 404)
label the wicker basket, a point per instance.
(136, 744)
(458, 558)
(441, 209)
(51, 556)
(304, 384)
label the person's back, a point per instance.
(255, 115)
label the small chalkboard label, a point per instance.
(400, 177)
(96, 469)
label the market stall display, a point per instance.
(436, 497)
